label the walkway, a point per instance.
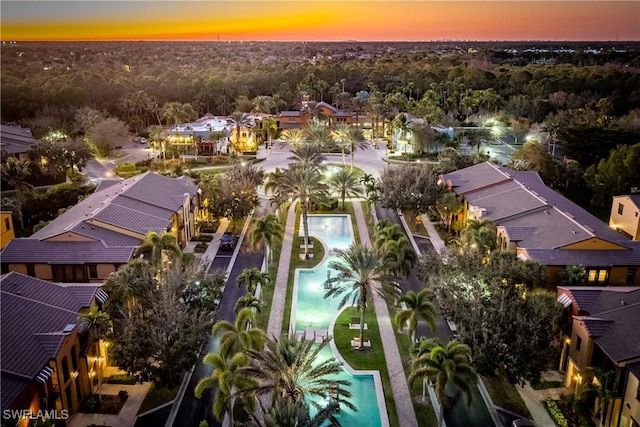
(399, 387)
(274, 328)
(534, 398)
(127, 415)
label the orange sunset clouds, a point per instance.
(320, 20)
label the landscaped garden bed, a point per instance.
(104, 404)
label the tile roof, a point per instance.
(16, 140)
(60, 252)
(289, 114)
(616, 332)
(593, 300)
(130, 219)
(109, 237)
(587, 257)
(33, 314)
(475, 177)
(635, 369)
(505, 200)
(517, 234)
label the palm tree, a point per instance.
(377, 110)
(268, 230)
(252, 277)
(304, 185)
(345, 183)
(288, 370)
(240, 120)
(263, 104)
(446, 366)
(295, 136)
(401, 124)
(341, 134)
(176, 113)
(297, 414)
(398, 256)
(239, 335)
(14, 173)
(308, 156)
(225, 378)
(419, 306)
(97, 324)
(161, 246)
(479, 235)
(360, 272)
(318, 132)
(359, 104)
(130, 283)
(449, 206)
(247, 301)
(270, 128)
(603, 386)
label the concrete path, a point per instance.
(436, 241)
(274, 327)
(399, 387)
(127, 415)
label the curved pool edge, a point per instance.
(377, 380)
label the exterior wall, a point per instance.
(578, 359)
(104, 270)
(45, 272)
(627, 222)
(74, 389)
(553, 274)
(594, 243)
(6, 226)
(630, 399)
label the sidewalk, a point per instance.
(274, 327)
(399, 387)
(533, 398)
(436, 241)
(205, 259)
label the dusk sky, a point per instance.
(313, 20)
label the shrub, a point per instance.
(122, 379)
(126, 167)
(200, 248)
(202, 238)
(555, 412)
(129, 174)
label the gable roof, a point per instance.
(593, 300)
(34, 314)
(635, 198)
(475, 178)
(16, 140)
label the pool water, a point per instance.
(312, 310)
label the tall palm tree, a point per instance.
(359, 104)
(401, 124)
(295, 136)
(226, 379)
(263, 104)
(297, 414)
(267, 230)
(318, 132)
(479, 235)
(176, 113)
(239, 335)
(445, 366)
(341, 134)
(345, 183)
(270, 128)
(240, 120)
(161, 247)
(97, 323)
(251, 277)
(247, 301)
(603, 386)
(360, 272)
(304, 185)
(15, 172)
(419, 306)
(130, 283)
(377, 110)
(398, 256)
(308, 156)
(288, 371)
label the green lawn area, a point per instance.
(369, 359)
(156, 397)
(505, 395)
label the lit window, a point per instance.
(597, 276)
(602, 276)
(592, 276)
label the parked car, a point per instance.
(228, 241)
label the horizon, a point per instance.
(314, 21)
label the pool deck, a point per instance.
(399, 386)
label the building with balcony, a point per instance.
(92, 239)
(48, 360)
(539, 224)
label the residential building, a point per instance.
(625, 215)
(539, 224)
(298, 118)
(604, 335)
(6, 226)
(198, 135)
(16, 141)
(92, 239)
(48, 360)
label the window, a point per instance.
(631, 275)
(597, 276)
(93, 271)
(638, 393)
(31, 270)
(74, 359)
(65, 370)
(7, 224)
(578, 343)
(620, 208)
(69, 273)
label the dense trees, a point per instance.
(409, 188)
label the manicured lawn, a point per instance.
(505, 395)
(369, 359)
(156, 397)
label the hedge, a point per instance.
(555, 412)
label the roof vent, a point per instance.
(573, 231)
(18, 293)
(547, 212)
(623, 303)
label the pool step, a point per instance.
(312, 334)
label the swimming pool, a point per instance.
(311, 313)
